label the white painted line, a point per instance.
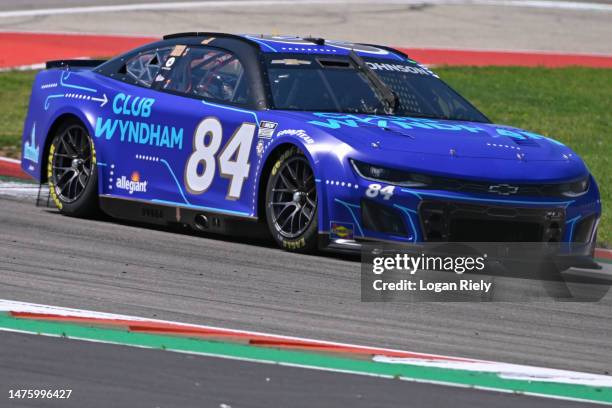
(547, 4)
(509, 371)
(30, 67)
(7, 159)
(19, 190)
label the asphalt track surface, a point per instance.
(155, 378)
(111, 267)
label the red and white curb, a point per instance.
(12, 168)
(386, 355)
(139, 324)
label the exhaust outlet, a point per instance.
(201, 222)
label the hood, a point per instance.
(418, 135)
(447, 140)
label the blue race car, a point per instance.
(326, 144)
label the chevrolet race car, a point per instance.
(326, 144)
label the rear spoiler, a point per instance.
(77, 63)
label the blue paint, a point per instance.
(409, 213)
(350, 207)
(178, 185)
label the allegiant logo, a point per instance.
(133, 184)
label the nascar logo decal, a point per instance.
(341, 230)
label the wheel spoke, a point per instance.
(290, 218)
(68, 148)
(291, 173)
(300, 219)
(63, 180)
(72, 186)
(293, 218)
(308, 179)
(287, 183)
(83, 179)
(66, 184)
(72, 140)
(307, 215)
(287, 205)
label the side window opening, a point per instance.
(143, 68)
(209, 73)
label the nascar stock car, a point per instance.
(326, 144)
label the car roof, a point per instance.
(302, 45)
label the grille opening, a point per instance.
(381, 218)
(584, 229)
(329, 63)
(464, 222)
(470, 230)
(152, 212)
(553, 232)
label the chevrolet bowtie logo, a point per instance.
(503, 189)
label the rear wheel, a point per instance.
(71, 170)
(291, 202)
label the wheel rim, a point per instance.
(293, 198)
(72, 164)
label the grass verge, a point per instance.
(14, 99)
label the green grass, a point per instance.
(573, 105)
(14, 96)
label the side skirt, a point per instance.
(200, 220)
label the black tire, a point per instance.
(72, 172)
(291, 202)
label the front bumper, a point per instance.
(356, 211)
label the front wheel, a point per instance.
(291, 202)
(71, 171)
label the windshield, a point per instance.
(335, 84)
